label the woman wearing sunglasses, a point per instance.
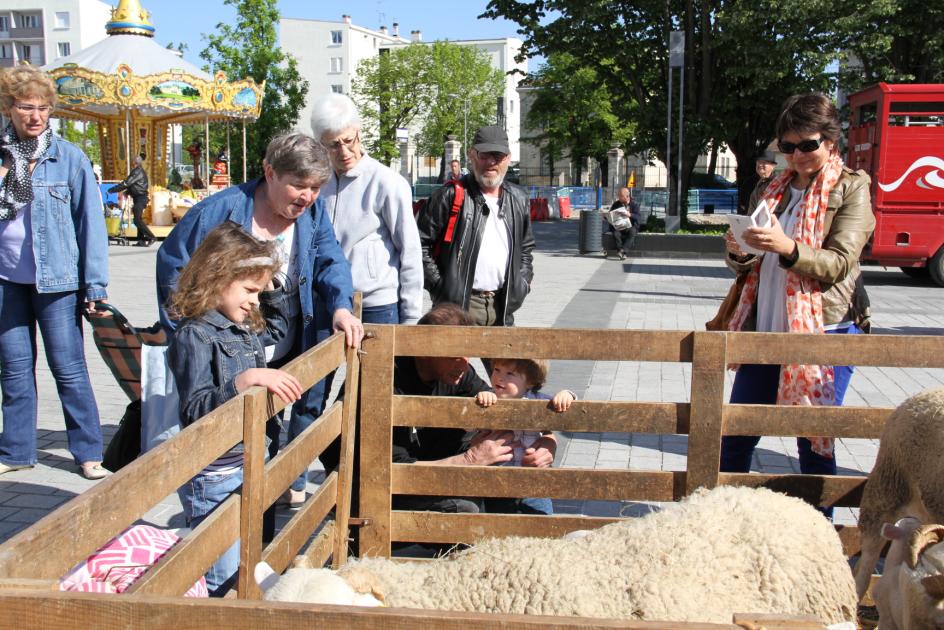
(53, 265)
(808, 279)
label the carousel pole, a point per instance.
(128, 142)
(229, 156)
(206, 151)
(244, 150)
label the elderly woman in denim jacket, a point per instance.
(53, 264)
(808, 280)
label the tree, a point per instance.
(250, 49)
(573, 109)
(83, 135)
(443, 87)
(742, 59)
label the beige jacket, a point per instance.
(848, 225)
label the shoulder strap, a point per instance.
(450, 230)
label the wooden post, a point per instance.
(346, 462)
(376, 452)
(706, 424)
(252, 495)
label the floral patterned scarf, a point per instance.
(16, 188)
(800, 384)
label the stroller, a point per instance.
(117, 216)
(119, 344)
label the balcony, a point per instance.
(26, 32)
(6, 62)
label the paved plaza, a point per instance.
(569, 291)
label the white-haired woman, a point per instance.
(53, 264)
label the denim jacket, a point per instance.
(207, 353)
(321, 263)
(70, 243)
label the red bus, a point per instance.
(897, 137)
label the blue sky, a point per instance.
(187, 20)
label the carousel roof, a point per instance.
(129, 70)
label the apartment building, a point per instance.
(328, 53)
(40, 31)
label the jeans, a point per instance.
(60, 323)
(384, 314)
(519, 506)
(757, 385)
(199, 497)
(140, 202)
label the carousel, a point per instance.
(135, 91)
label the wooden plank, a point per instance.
(925, 351)
(79, 527)
(300, 452)
(346, 459)
(314, 364)
(66, 611)
(848, 422)
(376, 446)
(255, 413)
(594, 416)
(322, 547)
(545, 343)
(293, 536)
(851, 539)
(704, 442)
(27, 584)
(825, 491)
(190, 558)
(759, 621)
(438, 527)
(557, 483)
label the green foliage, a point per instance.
(84, 136)
(250, 50)
(435, 85)
(574, 109)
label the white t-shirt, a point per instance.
(494, 250)
(288, 274)
(772, 287)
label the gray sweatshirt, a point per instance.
(371, 208)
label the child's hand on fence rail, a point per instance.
(279, 383)
(486, 399)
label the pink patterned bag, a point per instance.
(122, 560)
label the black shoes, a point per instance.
(144, 243)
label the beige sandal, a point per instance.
(93, 470)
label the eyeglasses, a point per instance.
(806, 146)
(347, 143)
(495, 156)
(29, 109)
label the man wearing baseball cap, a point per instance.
(477, 253)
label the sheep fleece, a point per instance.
(716, 553)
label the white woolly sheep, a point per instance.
(910, 593)
(908, 477)
(705, 558)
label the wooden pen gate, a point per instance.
(32, 561)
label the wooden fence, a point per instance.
(32, 561)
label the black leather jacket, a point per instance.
(136, 183)
(448, 277)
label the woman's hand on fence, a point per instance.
(490, 447)
(279, 383)
(541, 453)
(770, 239)
(353, 329)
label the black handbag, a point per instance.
(125, 445)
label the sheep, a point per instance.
(703, 559)
(908, 477)
(910, 593)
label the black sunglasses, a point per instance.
(806, 146)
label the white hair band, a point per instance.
(258, 261)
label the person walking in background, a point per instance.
(623, 221)
(136, 185)
(229, 310)
(476, 236)
(455, 171)
(808, 280)
(764, 165)
(53, 265)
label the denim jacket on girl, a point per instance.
(207, 353)
(70, 243)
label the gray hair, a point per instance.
(298, 154)
(333, 113)
(138, 160)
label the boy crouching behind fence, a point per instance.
(523, 378)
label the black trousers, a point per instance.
(624, 238)
(137, 209)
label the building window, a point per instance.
(337, 88)
(62, 19)
(337, 37)
(29, 21)
(337, 64)
(6, 51)
(65, 49)
(27, 52)
(4, 23)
